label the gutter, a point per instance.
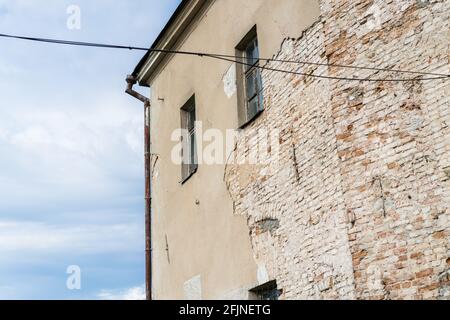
(131, 81)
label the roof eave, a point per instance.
(169, 37)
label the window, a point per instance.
(250, 90)
(268, 291)
(188, 118)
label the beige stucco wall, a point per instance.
(209, 250)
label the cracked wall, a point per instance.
(194, 230)
(357, 205)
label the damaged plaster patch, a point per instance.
(267, 225)
(262, 275)
(193, 288)
(229, 81)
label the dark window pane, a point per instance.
(249, 53)
(250, 85)
(252, 53)
(191, 117)
(252, 82)
(188, 118)
(253, 108)
(254, 92)
(255, 50)
(270, 295)
(192, 148)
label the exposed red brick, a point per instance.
(376, 150)
(440, 235)
(424, 273)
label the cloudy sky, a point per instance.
(71, 149)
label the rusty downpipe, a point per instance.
(131, 81)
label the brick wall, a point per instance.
(352, 201)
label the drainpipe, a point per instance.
(131, 81)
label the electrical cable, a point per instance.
(235, 59)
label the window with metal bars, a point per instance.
(189, 151)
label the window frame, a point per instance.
(188, 114)
(268, 291)
(244, 72)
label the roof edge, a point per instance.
(180, 20)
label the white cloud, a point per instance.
(37, 238)
(51, 153)
(135, 293)
(73, 130)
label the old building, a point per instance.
(331, 182)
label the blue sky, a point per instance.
(71, 149)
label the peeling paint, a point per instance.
(193, 288)
(229, 81)
(263, 275)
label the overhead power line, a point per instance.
(332, 77)
(238, 60)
